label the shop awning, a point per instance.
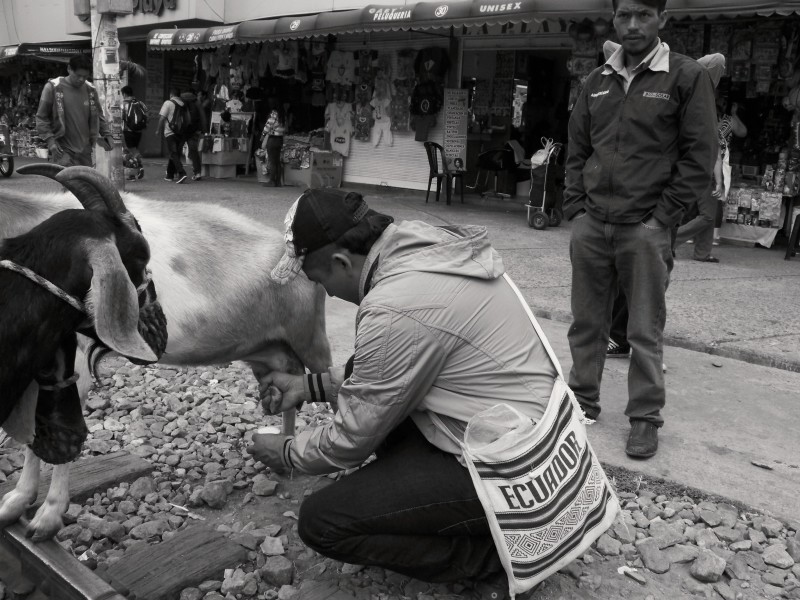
(53, 51)
(442, 14)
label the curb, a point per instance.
(748, 356)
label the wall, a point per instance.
(21, 21)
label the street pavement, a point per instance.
(732, 335)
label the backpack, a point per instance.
(136, 116)
(181, 123)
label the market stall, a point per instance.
(24, 69)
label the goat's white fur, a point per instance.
(211, 269)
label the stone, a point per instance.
(769, 526)
(793, 548)
(707, 567)
(681, 553)
(743, 545)
(191, 594)
(623, 532)
(348, 569)
(728, 513)
(756, 536)
(234, 582)
(697, 588)
(141, 487)
(264, 486)
(608, 546)
(776, 556)
(278, 571)
(753, 559)
(149, 530)
(706, 538)
(272, 546)
(724, 590)
(772, 591)
(214, 494)
(727, 534)
(710, 517)
(775, 577)
(667, 534)
(287, 592)
(652, 556)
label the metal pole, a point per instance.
(105, 50)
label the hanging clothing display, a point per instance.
(339, 123)
(383, 123)
(364, 122)
(341, 68)
(401, 102)
(366, 66)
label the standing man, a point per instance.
(171, 117)
(440, 336)
(194, 132)
(70, 118)
(641, 147)
(134, 122)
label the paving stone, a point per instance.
(652, 555)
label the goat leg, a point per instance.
(60, 429)
(15, 502)
(48, 519)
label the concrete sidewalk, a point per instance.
(718, 421)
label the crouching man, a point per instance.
(440, 333)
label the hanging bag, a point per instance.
(546, 497)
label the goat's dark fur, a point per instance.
(34, 323)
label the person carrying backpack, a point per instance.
(194, 133)
(174, 123)
(134, 122)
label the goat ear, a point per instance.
(115, 305)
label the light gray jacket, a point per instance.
(438, 330)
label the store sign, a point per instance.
(162, 39)
(9, 52)
(218, 34)
(504, 7)
(295, 24)
(390, 14)
(153, 6)
(441, 11)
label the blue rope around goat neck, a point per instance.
(52, 288)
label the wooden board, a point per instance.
(92, 474)
(54, 569)
(161, 571)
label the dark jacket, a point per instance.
(648, 153)
(199, 123)
(50, 119)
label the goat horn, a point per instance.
(85, 192)
(100, 186)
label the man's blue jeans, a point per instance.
(638, 259)
(413, 510)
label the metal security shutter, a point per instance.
(404, 164)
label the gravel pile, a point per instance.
(194, 424)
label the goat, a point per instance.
(211, 266)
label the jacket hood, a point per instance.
(417, 246)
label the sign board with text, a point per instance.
(456, 121)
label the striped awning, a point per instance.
(441, 14)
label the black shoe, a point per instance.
(711, 259)
(616, 350)
(590, 412)
(642, 440)
(181, 178)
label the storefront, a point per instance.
(24, 69)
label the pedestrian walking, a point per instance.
(641, 145)
(701, 228)
(134, 122)
(172, 124)
(70, 118)
(272, 140)
(441, 335)
(194, 132)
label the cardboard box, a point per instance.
(228, 157)
(325, 170)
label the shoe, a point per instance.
(690, 241)
(710, 259)
(642, 440)
(140, 174)
(181, 179)
(715, 242)
(168, 178)
(196, 177)
(616, 350)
